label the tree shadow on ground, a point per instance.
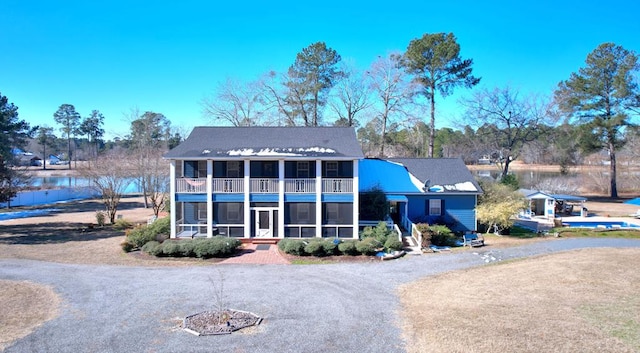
(54, 232)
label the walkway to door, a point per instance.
(251, 255)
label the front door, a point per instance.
(264, 222)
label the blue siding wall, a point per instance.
(191, 197)
(299, 197)
(263, 197)
(458, 209)
(337, 198)
(228, 197)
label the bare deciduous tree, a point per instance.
(393, 90)
(350, 96)
(110, 175)
(507, 120)
(235, 102)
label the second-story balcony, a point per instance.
(337, 185)
(306, 185)
(263, 185)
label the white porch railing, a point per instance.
(191, 185)
(228, 185)
(337, 185)
(265, 186)
(300, 185)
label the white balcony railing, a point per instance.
(300, 185)
(228, 185)
(337, 185)
(191, 185)
(264, 185)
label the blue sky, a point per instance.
(166, 56)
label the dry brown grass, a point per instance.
(23, 307)
(578, 301)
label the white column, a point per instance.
(318, 198)
(247, 204)
(356, 199)
(209, 198)
(281, 198)
(172, 197)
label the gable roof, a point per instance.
(448, 174)
(241, 142)
(408, 176)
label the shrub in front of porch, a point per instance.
(137, 237)
(202, 248)
(384, 238)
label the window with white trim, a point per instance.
(233, 169)
(303, 170)
(202, 169)
(332, 169)
(233, 211)
(435, 207)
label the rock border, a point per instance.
(205, 323)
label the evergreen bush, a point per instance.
(368, 246)
(348, 247)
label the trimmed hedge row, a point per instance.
(202, 248)
(331, 246)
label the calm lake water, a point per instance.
(527, 179)
(72, 182)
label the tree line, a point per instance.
(392, 104)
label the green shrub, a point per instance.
(127, 246)
(442, 236)
(171, 248)
(187, 247)
(368, 246)
(122, 224)
(152, 248)
(393, 244)
(215, 247)
(330, 246)
(139, 236)
(158, 231)
(314, 248)
(348, 247)
(379, 232)
(282, 244)
(295, 247)
(161, 226)
(437, 235)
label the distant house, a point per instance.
(425, 190)
(28, 159)
(543, 204)
(54, 160)
(304, 182)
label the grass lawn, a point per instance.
(578, 301)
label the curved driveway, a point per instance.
(312, 308)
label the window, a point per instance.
(332, 169)
(303, 169)
(331, 212)
(435, 207)
(233, 169)
(202, 169)
(201, 211)
(303, 212)
(233, 212)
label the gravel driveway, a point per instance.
(349, 307)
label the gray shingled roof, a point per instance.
(439, 171)
(241, 142)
